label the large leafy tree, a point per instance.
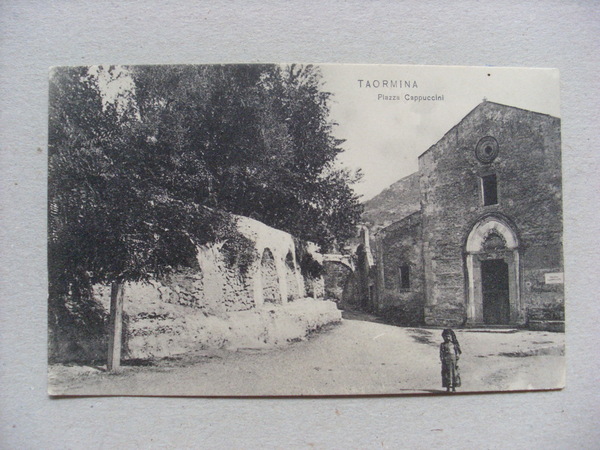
(120, 208)
(137, 182)
(116, 212)
(261, 135)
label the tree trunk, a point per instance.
(116, 327)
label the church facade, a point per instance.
(484, 245)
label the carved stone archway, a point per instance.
(492, 253)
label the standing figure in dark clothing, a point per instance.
(449, 355)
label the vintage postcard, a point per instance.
(304, 230)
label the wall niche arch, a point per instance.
(291, 279)
(269, 278)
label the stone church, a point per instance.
(482, 246)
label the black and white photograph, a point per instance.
(304, 230)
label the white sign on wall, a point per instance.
(554, 278)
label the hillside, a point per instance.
(392, 204)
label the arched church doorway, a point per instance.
(493, 280)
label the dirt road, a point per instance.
(355, 357)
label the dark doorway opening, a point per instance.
(496, 304)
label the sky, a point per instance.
(385, 137)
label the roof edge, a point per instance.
(477, 107)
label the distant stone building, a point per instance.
(484, 247)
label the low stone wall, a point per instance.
(217, 288)
(215, 304)
(158, 329)
(547, 325)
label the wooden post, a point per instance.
(380, 283)
(116, 327)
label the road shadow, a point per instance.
(360, 315)
(422, 336)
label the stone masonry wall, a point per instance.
(400, 245)
(215, 305)
(528, 174)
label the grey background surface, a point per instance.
(39, 34)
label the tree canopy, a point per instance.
(137, 182)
